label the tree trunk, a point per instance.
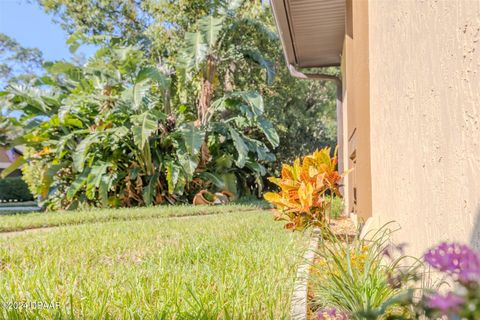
(228, 84)
(206, 92)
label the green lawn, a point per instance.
(234, 265)
(23, 221)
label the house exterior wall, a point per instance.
(356, 115)
(424, 65)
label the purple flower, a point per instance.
(390, 250)
(455, 259)
(330, 314)
(445, 304)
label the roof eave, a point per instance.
(285, 30)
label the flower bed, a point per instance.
(372, 279)
(369, 277)
(344, 229)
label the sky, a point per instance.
(31, 27)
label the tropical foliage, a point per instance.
(302, 112)
(304, 187)
(177, 99)
(106, 135)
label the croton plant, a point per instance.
(306, 190)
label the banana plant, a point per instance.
(118, 132)
(235, 117)
(204, 51)
(99, 135)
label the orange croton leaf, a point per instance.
(286, 172)
(272, 197)
(305, 195)
(303, 186)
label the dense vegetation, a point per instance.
(181, 96)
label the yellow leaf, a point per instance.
(272, 197)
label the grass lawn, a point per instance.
(22, 221)
(234, 265)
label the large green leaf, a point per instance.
(95, 178)
(79, 182)
(81, 152)
(173, 173)
(253, 99)
(181, 183)
(155, 75)
(28, 99)
(262, 151)
(103, 187)
(188, 162)
(192, 137)
(145, 125)
(216, 179)
(230, 181)
(46, 180)
(194, 52)
(241, 147)
(267, 128)
(62, 143)
(140, 90)
(14, 165)
(268, 65)
(256, 167)
(210, 28)
(189, 140)
(150, 189)
(62, 67)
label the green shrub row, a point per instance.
(14, 189)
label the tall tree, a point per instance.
(17, 62)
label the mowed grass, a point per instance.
(24, 221)
(237, 265)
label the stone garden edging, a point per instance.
(299, 298)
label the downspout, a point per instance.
(339, 97)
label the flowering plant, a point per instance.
(304, 186)
(331, 314)
(460, 265)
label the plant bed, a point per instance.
(343, 228)
(372, 279)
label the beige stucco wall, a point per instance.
(356, 116)
(425, 119)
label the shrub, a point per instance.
(110, 133)
(305, 188)
(14, 189)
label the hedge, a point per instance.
(14, 189)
